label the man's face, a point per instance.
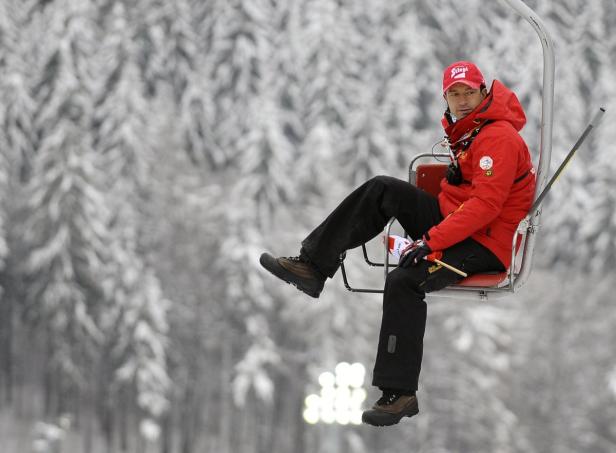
(463, 99)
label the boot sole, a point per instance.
(272, 266)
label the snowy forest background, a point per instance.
(151, 150)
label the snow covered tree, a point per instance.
(18, 106)
(135, 361)
(204, 141)
(366, 148)
(155, 149)
(150, 17)
(186, 214)
(262, 167)
(412, 104)
(598, 208)
(121, 115)
(16, 151)
(167, 43)
(66, 235)
(321, 41)
(558, 355)
(468, 365)
(4, 147)
(241, 44)
(134, 323)
(230, 64)
(6, 309)
(65, 226)
(576, 100)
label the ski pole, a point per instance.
(593, 123)
(450, 267)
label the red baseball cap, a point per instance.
(462, 72)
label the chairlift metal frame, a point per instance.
(529, 226)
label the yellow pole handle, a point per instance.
(451, 268)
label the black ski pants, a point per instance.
(361, 216)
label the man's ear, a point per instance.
(445, 99)
(484, 92)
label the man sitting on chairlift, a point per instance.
(487, 191)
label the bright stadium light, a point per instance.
(327, 379)
(341, 396)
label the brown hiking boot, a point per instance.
(296, 271)
(390, 409)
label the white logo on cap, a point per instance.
(459, 72)
(486, 162)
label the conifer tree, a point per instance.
(65, 214)
(16, 152)
(203, 140)
(284, 106)
(262, 167)
(311, 102)
(468, 354)
(4, 147)
(6, 306)
(121, 114)
(597, 205)
(167, 42)
(367, 149)
(18, 107)
(66, 237)
(136, 328)
(135, 324)
(572, 110)
(4, 176)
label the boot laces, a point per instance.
(295, 259)
(387, 398)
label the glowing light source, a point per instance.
(327, 379)
(341, 396)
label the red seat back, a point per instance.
(429, 176)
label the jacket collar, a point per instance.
(456, 131)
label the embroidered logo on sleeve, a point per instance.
(486, 163)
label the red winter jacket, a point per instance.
(499, 178)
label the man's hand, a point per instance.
(416, 251)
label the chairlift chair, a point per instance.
(489, 286)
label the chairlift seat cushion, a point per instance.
(485, 279)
